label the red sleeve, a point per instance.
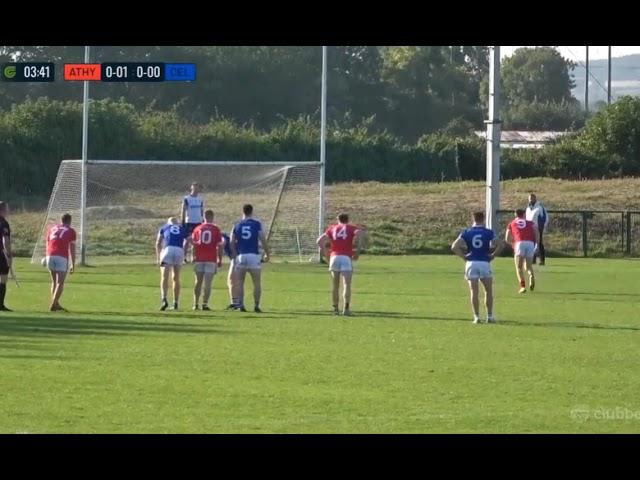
(218, 236)
(73, 235)
(195, 235)
(328, 231)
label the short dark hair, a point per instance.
(478, 217)
(66, 218)
(208, 214)
(343, 218)
(3, 206)
(520, 213)
(247, 209)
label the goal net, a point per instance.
(126, 202)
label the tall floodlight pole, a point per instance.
(323, 138)
(85, 144)
(609, 77)
(493, 140)
(586, 82)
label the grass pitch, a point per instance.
(563, 359)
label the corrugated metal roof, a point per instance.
(521, 136)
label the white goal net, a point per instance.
(127, 202)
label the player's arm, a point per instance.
(507, 235)
(158, 247)
(6, 243)
(265, 245)
(183, 211)
(322, 242)
(357, 243)
(498, 245)
(536, 231)
(458, 247)
(72, 256)
(220, 252)
(233, 244)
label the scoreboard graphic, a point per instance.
(100, 72)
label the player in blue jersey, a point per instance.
(246, 238)
(170, 243)
(474, 246)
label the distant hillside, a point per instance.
(625, 78)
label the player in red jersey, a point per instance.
(208, 250)
(340, 239)
(61, 244)
(524, 237)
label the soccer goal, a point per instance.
(125, 203)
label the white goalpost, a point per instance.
(124, 202)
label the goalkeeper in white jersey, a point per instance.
(192, 212)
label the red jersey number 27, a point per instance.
(57, 233)
(340, 232)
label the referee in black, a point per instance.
(5, 253)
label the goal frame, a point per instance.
(83, 193)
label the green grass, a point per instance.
(411, 361)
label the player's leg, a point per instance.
(241, 274)
(541, 248)
(346, 291)
(232, 285)
(335, 292)
(487, 283)
(60, 278)
(176, 285)
(3, 292)
(518, 261)
(164, 286)
(256, 279)
(475, 302)
(53, 283)
(529, 266)
(206, 294)
(197, 286)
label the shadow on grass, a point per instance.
(595, 294)
(60, 326)
(591, 326)
(375, 314)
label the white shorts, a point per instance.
(56, 263)
(172, 256)
(248, 261)
(205, 267)
(524, 249)
(475, 270)
(340, 263)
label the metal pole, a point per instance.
(585, 239)
(586, 83)
(493, 140)
(609, 78)
(628, 233)
(85, 144)
(323, 138)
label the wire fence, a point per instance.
(588, 233)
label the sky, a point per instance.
(578, 53)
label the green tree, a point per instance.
(537, 74)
